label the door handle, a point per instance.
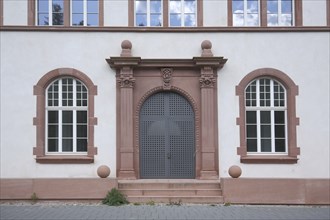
(168, 155)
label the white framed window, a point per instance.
(183, 13)
(280, 12)
(50, 12)
(84, 13)
(246, 12)
(66, 117)
(148, 13)
(266, 117)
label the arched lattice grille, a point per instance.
(167, 137)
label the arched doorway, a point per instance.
(167, 137)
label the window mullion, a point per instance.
(272, 117)
(258, 117)
(148, 13)
(60, 115)
(85, 13)
(182, 13)
(50, 13)
(74, 115)
(245, 13)
(279, 13)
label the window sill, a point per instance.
(61, 159)
(269, 159)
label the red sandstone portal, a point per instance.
(195, 79)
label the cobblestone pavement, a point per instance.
(60, 211)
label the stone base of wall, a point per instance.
(234, 191)
(56, 189)
(276, 191)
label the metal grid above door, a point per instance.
(167, 137)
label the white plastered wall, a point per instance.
(215, 13)
(116, 13)
(26, 57)
(15, 12)
(314, 13)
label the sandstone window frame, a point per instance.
(39, 90)
(292, 91)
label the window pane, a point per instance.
(92, 19)
(175, 6)
(155, 20)
(92, 6)
(280, 131)
(279, 117)
(67, 116)
(251, 145)
(43, 6)
(286, 6)
(81, 130)
(81, 145)
(266, 145)
(272, 19)
(265, 117)
(279, 145)
(189, 6)
(265, 131)
(77, 19)
(252, 20)
(286, 20)
(67, 145)
(58, 19)
(189, 20)
(52, 116)
(52, 145)
(67, 131)
(141, 20)
(155, 6)
(238, 19)
(238, 6)
(43, 19)
(81, 116)
(53, 131)
(251, 131)
(272, 6)
(175, 20)
(77, 6)
(252, 6)
(141, 6)
(251, 117)
(57, 5)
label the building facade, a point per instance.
(166, 90)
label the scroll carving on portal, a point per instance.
(126, 81)
(207, 81)
(167, 77)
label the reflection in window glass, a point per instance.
(183, 13)
(50, 12)
(85, 12)
(245, 12)
(279, 13)
(148, 13)
(265, 117)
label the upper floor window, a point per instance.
(279, 13)
(173, 13)
(245, 12)
(65, 12)
(50, 12)
(264, 12)
(148, 13)
(182, 13)
(85, 12)
(266, 123)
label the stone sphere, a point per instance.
(206, 44)
(126, 44)
(235, 171)
(103, 171)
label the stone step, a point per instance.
(168, 184)
(171, 192)
(176, 199)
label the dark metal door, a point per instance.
(167, 137)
